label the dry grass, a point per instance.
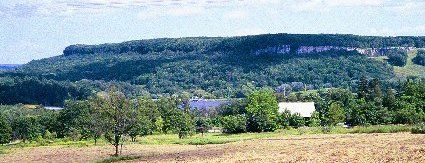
(395, 147)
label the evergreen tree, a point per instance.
(390, 99)
(5, 131)
(362, 91)
(336, 113)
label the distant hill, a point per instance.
(219, 67)
(5, 67)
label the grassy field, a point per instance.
(303, 144)
(383, 147)
(410, 69)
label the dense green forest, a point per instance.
(219, 67)
(111, 115)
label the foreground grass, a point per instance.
(213, 138)
(202, 139)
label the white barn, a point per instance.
(305, 109)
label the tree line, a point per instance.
(114, 116)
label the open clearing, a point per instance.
(394, 147)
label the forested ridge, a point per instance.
(212, 67)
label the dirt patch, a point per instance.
(399, 147)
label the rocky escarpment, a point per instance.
(286, 49)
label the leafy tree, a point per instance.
(5, 131)
(142, 127)
(159, 125)
(119, 116)
(27, 128)
(397, 57)
(262, 110)
(363, 91)
(202, 124)
(357, 114)
(185, 125)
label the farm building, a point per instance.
(305, 109)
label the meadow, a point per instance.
(317, 144)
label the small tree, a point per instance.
(336, 113)
(262, 111)
(284, 118)
(5, 131)
(185, 125)
(142, 127)
(118, 116)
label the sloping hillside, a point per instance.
(214, 67)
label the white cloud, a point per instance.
(23, 8)
(160, 11)
(236, 15)
(249, 31)
(409, 8)
(185, 11)
(406, 31)
(326, 5)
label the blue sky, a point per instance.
(35, 29)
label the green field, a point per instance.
(410, 69)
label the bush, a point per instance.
(296, 120)
(314, 120)
(420, 58)
(419, 129)
(397, 57)
(283, 119)
(234, 124)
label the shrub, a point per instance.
(283, 119)
(419, 129)
(314, 119)
(234, 124)
(296, 120)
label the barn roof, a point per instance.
(305, 109)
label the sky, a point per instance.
(35, 29)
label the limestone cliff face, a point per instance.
(286, 49)
(283, 49)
